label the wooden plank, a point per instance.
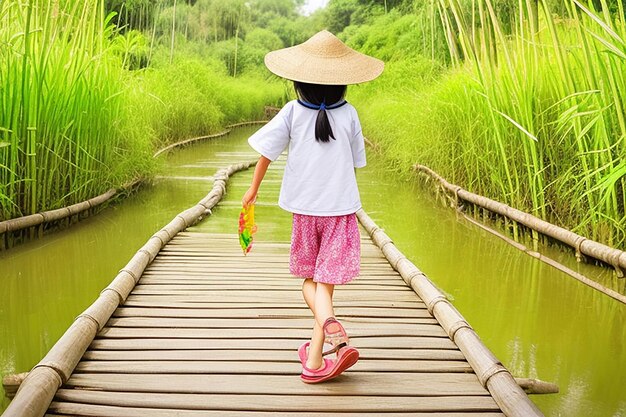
(263, 323)
(301, 334)
(400, 342)
(341, 313)
(258, 276)
(182, 302)
(211, 259)
(263, 355)
(292, 292)
(166, 259)
(271, 296)
(233, 253)
(259, 281)
(244, 270)
(259, 259)
(247, 262)
(279, 402)
(264, 367)
(246, 285)
(365, 383)
(260, 273)
(63, 409)
(260, 300)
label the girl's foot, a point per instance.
(346, 357)
(312, 376)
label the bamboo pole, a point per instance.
(580, 244)
(37, 219)
(492, 375)
(188, 141)
(536, 386)
(574, 274)
(12, 382)
(38, 388)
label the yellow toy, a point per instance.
(247, 228)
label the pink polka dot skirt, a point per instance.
(325, 248)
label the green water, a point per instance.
(538, 321)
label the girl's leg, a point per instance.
(322, 309)
(314, 360)
(324, 303)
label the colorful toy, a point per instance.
(247, 228)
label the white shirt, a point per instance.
(319, 178)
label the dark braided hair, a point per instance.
(318, 94)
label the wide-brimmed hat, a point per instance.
(323, 59)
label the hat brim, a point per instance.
(296, 64)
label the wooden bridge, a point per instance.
(191, 327)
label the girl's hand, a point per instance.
(249, 197)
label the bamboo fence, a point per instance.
(504, 389)
(583, 246)
(38, 219)
(229, 129)
(545, 259)
(39, 387)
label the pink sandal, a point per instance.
(346, 357)
(311, 376)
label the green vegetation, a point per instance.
(61, 136)
(528, 109)
(519, 100)
(89, 89)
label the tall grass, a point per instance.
(80, 112)
(534, 118)
(194, 96)
(552, 100)
(60, 104)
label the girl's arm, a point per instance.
(259, 173)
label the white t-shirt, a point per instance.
(319, 178)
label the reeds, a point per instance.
(59, 104)
(530, 114)
(551, 100)
(80, 113)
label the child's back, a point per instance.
(319, 176)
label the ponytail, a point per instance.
(323, 131)
(315, 96)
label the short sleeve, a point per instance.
(272, 139)
(357, 143)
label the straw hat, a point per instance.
(323, 59)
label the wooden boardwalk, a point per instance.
(191, 327)
(207, 331)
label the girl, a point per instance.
(319, 184)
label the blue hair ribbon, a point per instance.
(322, 106)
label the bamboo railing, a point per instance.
(504, 389)
(580, 244)
(38, 219)
(34, 220)
(38, 388)
(229, 129)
